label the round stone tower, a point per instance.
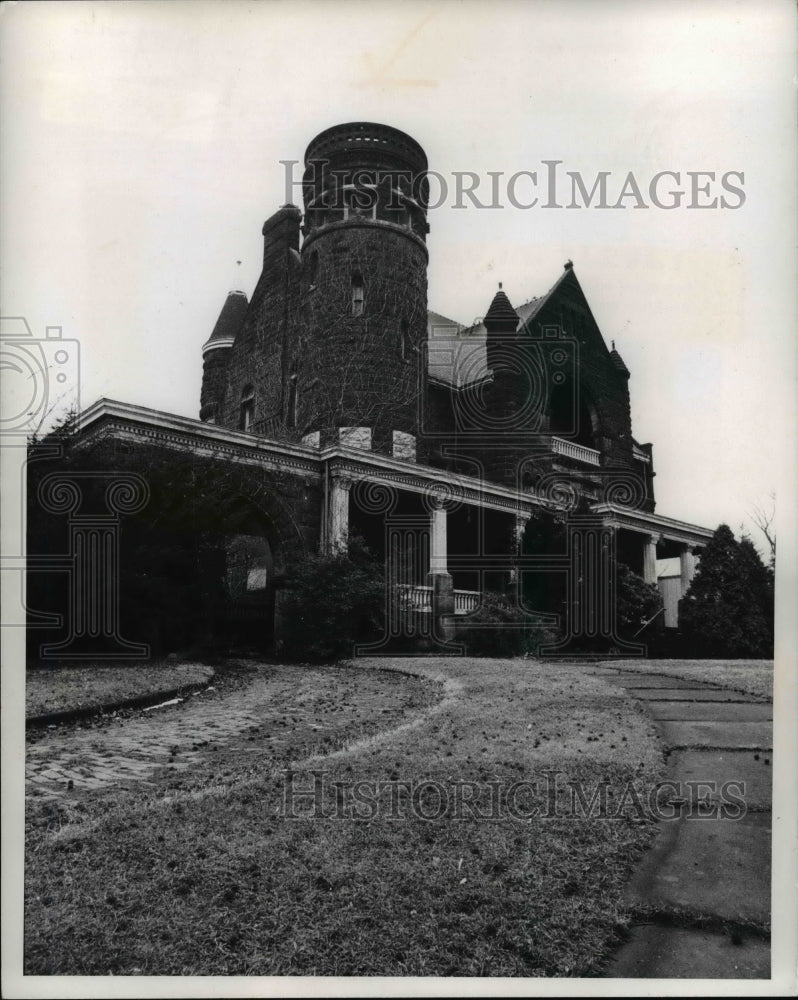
(363, 298)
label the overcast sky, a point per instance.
(141, 156)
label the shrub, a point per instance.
(329, 603)
(504, 630)
(636, 602)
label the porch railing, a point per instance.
(419, 598)
(465, 601)
(570, 449)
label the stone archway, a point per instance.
(250, 564)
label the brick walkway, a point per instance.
(284, 711)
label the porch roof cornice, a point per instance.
(176, 431)
(653, 524)
(426, 479)
(173, 430)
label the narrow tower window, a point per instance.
(360, 202)
(357, 294)
(247, 410)
(404, 342)
(291, 415)
(313, 268)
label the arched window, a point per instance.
(358, 300)
(250, 566)
(246, 416)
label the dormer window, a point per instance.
(246, 416)
(358, 300)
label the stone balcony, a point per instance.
(576, 452)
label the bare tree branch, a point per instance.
(763, 518)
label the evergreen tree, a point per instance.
(762, 582)
(728, 609)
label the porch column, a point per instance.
(521, 521)
(437, 539)
(439, 578)
(650, 559)
(686, 566)
(339, 515)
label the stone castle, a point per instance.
(386, 419)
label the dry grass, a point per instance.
(67, 689)
(750, 676)
(218, 881)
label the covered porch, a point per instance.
(659, 549)
(446, 539)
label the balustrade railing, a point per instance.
(413, 598)
(570, 449)
(465, 601)
(419, 598)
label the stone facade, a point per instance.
(258, 365)
(334, 333)
(338, 335)
(364, 412)
(338, 349)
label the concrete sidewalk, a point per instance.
(700, 898)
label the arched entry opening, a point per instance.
(248, 560)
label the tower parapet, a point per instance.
(367, 172)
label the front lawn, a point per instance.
(750, 676)
(67, 689)
(210, 881)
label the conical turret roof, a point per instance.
(230, 320)
(501, 311)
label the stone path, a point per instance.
(280, 712)
(701, 895)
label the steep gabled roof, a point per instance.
(534, 306)
(617, 360)
(455, 352)
(458, 354)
